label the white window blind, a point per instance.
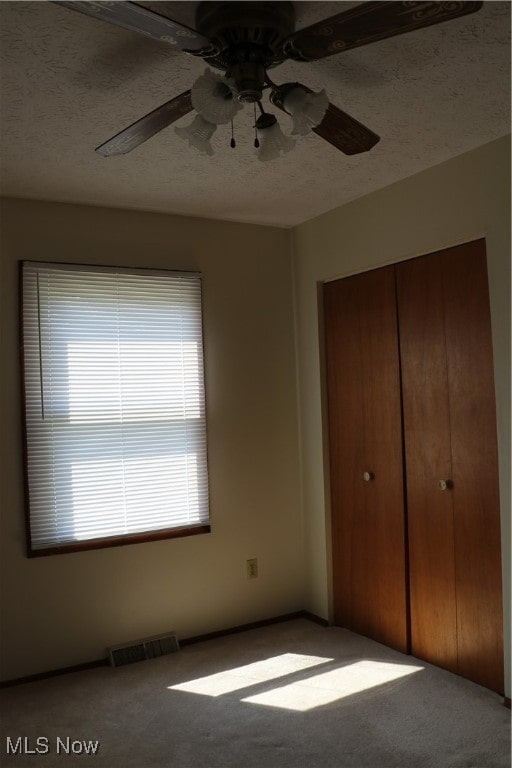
(114, 403)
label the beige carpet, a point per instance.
(291, 695)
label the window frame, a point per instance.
(116, 540)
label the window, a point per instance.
(114, 406)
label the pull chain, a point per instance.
(256, 140)
(232, 142)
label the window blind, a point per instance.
(114, 403)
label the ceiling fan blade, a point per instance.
(368, 23)
(345, 132)
(143, 129)
(138, 19)
(339, 129)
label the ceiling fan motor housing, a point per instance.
(249, 78)
(248, 37)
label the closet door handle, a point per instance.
(367, 476)
(445, 485)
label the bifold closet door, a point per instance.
(369, 578)
(451, 462)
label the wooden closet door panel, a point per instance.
(428, 460)
(384, 494)
(341, 314)
(475, 465)
(365, 436)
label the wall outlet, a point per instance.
(252, 568)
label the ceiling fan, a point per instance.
(244, 40)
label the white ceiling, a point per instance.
(69, 82)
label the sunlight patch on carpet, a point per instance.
(331, 686)
(250, 674)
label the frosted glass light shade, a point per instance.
(306, 109)
(214, 98)
(273, 142)
(198, 134)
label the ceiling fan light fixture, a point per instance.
(213, 97)
(307, 110)
(244, 40)
(198, 134)
(273, 142)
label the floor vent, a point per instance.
(139, 650)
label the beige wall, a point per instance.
(63, 610)
(460, 200)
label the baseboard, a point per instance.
(54, 673)
(184, 641)
(253, 625)
(315, 618)
(506, 701)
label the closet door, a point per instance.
(369, 580)
(428, 461)
(451, 462)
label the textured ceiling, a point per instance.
(69, 82)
